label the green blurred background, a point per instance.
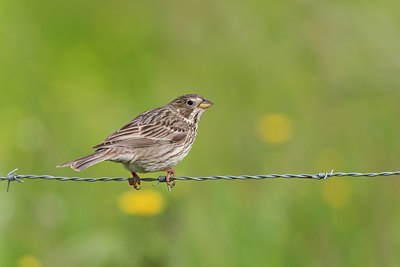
(299, 87)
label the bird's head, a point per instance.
(191, 106)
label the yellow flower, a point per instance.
(275, 128)
(144, 202)
(337, 192)
(29, 261)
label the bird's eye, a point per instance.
(190, 102)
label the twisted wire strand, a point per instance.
(12, 176)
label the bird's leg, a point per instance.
(134, 181)
(170, 173)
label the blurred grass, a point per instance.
(73, 72)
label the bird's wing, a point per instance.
(151, 128)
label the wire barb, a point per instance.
(12, 176)
(325, 175)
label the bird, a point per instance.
(154, 141)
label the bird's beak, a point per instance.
(205, 104)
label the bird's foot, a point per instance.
(134, 181)
(170, 182)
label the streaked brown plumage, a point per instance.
(156, 140)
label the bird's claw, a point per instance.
(135, 181)
(169, 178)
(170, 184)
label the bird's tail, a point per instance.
(87, 161)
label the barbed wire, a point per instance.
(12, 176)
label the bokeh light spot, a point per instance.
(29, 261)
(336, 193)
(275, 128)
(144, 202)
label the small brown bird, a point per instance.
(156, 140)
